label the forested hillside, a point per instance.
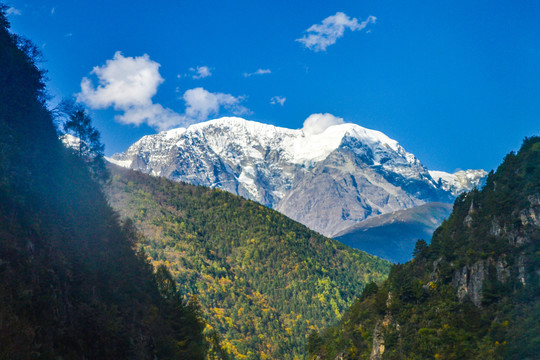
(474, 293)
(71, 285)
(263, 280)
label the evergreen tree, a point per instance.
(87, 144)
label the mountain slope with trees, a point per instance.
(263, 280)
(71, 284)
(474, 293)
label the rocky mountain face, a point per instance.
(327, 181)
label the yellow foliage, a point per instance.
(229, 321)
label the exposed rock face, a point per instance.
(343, 190)
(377, 350)
(381, 328)
(503, 270)
(469, 281)
(531, 215)
(327, 181)
(529, 218)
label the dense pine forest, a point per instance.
(71, 284)
(263, 280)
(474, 293)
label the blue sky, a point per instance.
(457, 83)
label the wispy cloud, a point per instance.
(278, 100)
(320, 36)
(128, 84)
(201, 72)
(12, 11)
(258, 72)
(53, 10)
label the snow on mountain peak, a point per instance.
(460, 181)
(297, 145)
(335, 167)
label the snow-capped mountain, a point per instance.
(460, 181)
(328, 181)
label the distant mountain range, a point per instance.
(328, 181)
(392, 236)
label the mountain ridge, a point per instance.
(368, 173)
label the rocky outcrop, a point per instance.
(519, 234)
(531, 215)
(469, 280)
(377, 349)
(382, 327)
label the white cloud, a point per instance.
(200, 104)
(201, 72)
(258, 72)
(128, 84)
(278, 100)
(317, 123)
(320, 36)
(53, 10)
(12, 11)
(123, 82)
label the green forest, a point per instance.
(263, 281)
(474, 293)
